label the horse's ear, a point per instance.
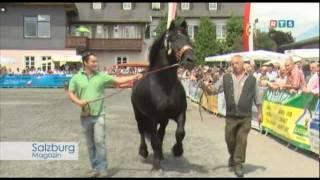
(171, 25)
(184, 24)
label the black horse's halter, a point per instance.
(178, 53)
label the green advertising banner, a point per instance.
(292, 117)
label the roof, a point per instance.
(302, 42)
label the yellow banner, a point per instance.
(288, 122)
(210, 103)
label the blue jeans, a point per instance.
(93, 128)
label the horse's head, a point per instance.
(177, 43)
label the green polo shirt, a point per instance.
(91, 87)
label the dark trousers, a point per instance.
(236, 134)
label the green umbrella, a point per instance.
(83, 29)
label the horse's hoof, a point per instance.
(155, 168)
(161, 157)
(177, 150)
(143, 152)
(155, 165)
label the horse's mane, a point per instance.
(155, 49)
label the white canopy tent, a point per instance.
(259, 55)
(67, 59)
(7, 60)
(307, 54)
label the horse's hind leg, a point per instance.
(143, 150)
(177, 149)
(161, 133)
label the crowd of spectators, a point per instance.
(291, 75)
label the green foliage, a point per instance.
(162, 26)
(280, 37)
(205, 40)
(262, 41)
(234, 34)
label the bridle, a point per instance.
(177, 52)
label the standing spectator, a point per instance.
(256, 72)
(313, 83)
(295, 79)
(248, 68)
(263, 79)
(271, 73)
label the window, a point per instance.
(37, 27)
(185, 6)
(126, 6)
(49, 66)
(221, 31)
(100, 32)
(30, 27)
(97, 5)
(129, 32)
(213, 6)
(116, 33)
(46, 63)
(44, 67)
(155, 6)
(29, 62)
(122, 59)
(147, 32)
(43, 26)
(195, 30)
(192, 30)
(119, 60)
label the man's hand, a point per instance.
(305, 89)
(138, 76)
(82, 103)
(292, 91)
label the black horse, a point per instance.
(160, 96)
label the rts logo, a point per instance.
(282, 23)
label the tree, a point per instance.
(262, 41)
(280, 37)
(205, 40)
(162, 26)
(234, 34)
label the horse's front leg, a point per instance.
(155, 143)
(177, 149)
(161, 133)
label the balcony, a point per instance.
(77, 42)
(104, 44)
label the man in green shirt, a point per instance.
(89, 84)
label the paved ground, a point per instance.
(47, 115)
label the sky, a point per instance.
(305, 16)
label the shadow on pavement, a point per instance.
(177, 164)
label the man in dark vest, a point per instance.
(240, 90)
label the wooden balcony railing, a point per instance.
(104, 44)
